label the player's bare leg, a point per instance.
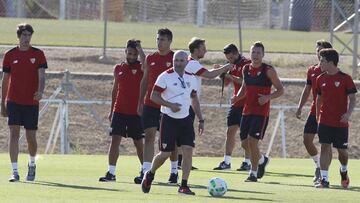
(308, 141)
(139, 145)
(246, 165)
(148, 154)
(343, 158)
(113, 156)
(32, 147)
(14, 151)
(325, 161)
(229, 147)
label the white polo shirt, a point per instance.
(176, 89)
(194, 67)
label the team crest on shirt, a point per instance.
(312, 75)
(164, 145)
(120, 73)
(168, 64)
(32, 60)
(188, 84)
(15, 61)
(337, 84)
(134, 71)
(323, 85)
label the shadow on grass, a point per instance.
(287, 175)
(79, 187)
(223, 171)
(332, 187)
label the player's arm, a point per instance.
(41, 86)
(303, 98)
(352, 102)
(4, 85)
(234, 78)
(318, 104)
(279, 89)
(240, 94)
(140, 51)
(143, 88)
(197, 109)
(216, 71)
(113, 95)
(156, 97)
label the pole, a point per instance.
(200, 13)
(239, 27)
(62, 9)
(103, 58)
(356, 40)
(332, 21)
(283, 136)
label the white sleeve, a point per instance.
(160, 84)
(195, 67)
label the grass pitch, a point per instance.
(74, 178)
(90, 33)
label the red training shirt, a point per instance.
(237, 71)
(312, 73)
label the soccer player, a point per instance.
(258, 78)
(23, 85)
(335, 103)
(125, 122)
(154, 65)
(311, 125)
(235, 112)
(175, 90)
(197, 48)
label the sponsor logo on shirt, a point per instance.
(164, 145)
(32, 60)
(168, 64)
(16, 61)
(337, 84)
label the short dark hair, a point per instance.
(259, 44)
(22, 27)
(195, 43)
(132, 43)
(230, 48)
(165, 32)
(330, 54)
(324, 44)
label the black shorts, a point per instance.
(23, 115)
(150, 117)
(192, 114)
(311, 125)
(126, 126)
(254, 126)
(176, 132)
(334, 135)
(234, 116)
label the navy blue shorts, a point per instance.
(151, 117)
(336, 136)
(311, 125)
(254, 126)
(234, 116)
(126, 126)
(176, 132)
(23, 115)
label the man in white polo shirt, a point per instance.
(175, 90)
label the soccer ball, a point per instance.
(217, 187)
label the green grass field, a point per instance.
(74, 178)
(90, 33)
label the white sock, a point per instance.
(343, 168)
(253, 172)
(111, 169)
(316, 159)
(262, 159)
(247, 161)
(32, 161)
(14, 166)
(227, 159)
(146, 166)
(325, 175)
(174, 165)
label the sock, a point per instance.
(227, 159)
(174, 165)
(183, 183)
(262, 159)
(32, 161)
(146, 166)
(179, 159)
(325, 175)
(343, 168)
(247, 161)
(14, 167)
(253, 172)
(111, 169)
(316, 159)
